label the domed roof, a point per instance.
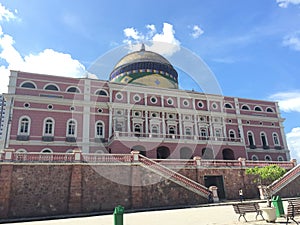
(142, 56)
(145, 68)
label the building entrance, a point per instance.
(215, 181)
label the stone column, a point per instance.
(75, 195)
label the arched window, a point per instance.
(228, 106)
(275, 139)
(186, 153)
(21, 150)
(254, 158)
(245, 107)
(228, 154)
(203, 132)
(73, 89)
(270, 110)
(188, 131)
(48, 127)
(119, 126)
(218, 132)
(280, 158)
(268, 158)
(154, 129)
(162, 152)
(99, 129)
(231, 134)
(47, 150)
(28, 84)
(207, 153)
(250, 139)
(258, 108)
(71, 128)
(69, 151)
(51, 87)
(24, 126)
(101, 92)
(137, 129)
(263, 139)
(171, 130)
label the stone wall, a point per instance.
(34, 190)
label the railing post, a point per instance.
(242, 161)
(294, 161)
(77, 154)
(135, 156)
(198, 161)
(8, 154)
(214, 191)
(262, 192)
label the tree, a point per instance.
(266, 175)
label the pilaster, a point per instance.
(5, 188)
(75, 195)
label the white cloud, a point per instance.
(6, 14)
(152, 30)
(292, 41)
(197, 31)
(47, 61)
(293, 140)
(131, 33)
(285, 3)
(163, 43)
(288, 101)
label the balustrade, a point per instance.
(10, 156)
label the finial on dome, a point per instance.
(143, 47)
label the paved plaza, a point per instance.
(217, 214)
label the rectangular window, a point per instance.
(71, 129)
(48, 128)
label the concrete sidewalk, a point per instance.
(220, 214)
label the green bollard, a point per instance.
(118, 215)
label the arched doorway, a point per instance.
(228, 154)
(139, 148)
(207, 153)
(162, 152)
(186, 153)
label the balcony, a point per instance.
(48, 138)
(170, 137)
(70, 139)
(22, 137)
(100, 140)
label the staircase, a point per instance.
(285, 180)
(174, 176)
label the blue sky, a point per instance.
(252, 46)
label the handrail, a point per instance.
(175, 175)
(281, 182)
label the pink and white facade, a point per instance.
(58, 114)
